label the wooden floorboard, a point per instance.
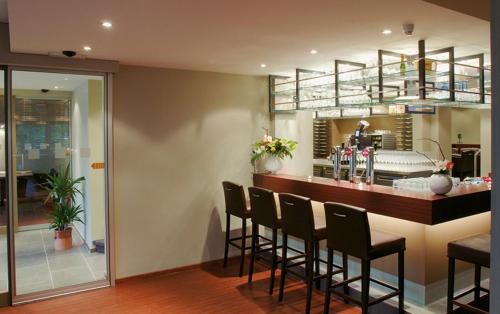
(207, 289)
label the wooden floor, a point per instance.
(207, 289)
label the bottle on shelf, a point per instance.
(402, 66)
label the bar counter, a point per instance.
(427, 221)
(421, 207)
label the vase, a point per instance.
(273, 164)
(63, 240)
(440, 184)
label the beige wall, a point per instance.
(177, 135)
(466, 122)
(297, 126)
(96, 144)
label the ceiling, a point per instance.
(237, 36)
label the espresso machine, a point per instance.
(360, 138)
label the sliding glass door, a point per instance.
(4, 209)
(58, 143)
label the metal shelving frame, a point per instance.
(378, 86)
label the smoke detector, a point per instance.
(408, 29)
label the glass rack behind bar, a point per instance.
(398, 84)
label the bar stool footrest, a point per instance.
(469, 307)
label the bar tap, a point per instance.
(352, 152)
(369, 153)
(337, 159)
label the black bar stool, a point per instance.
(476, 250)
(297, 219)
(264, 213)
(236, 205)
(348, 231)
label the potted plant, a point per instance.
(440, 182)
(274, 149)
(62, 190)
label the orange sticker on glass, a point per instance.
(97, 165)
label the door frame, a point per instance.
(14, 299)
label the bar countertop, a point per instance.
(421, 207)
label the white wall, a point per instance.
(177, 135)
(297, 126)
(80, 161)
(466, 122)
(2, 149)
(485, 135)
(87, 132)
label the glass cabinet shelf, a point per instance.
(447, 81)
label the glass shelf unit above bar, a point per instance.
(433, 78)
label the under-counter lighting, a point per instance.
(314, 51)
(106, 24)
(87, 48)
(387, 32)
(263, 65)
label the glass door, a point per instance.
(58, 141)
(4, 209)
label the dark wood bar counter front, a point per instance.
(427, 221)
(425, 208)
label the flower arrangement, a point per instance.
(441, 166)
(276, 147)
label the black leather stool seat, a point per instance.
(245, 214)
(383, 243)
(474, 249)
(348, 231)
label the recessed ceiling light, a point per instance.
(387, 32)
(106, 24)
(65, 79)
(314, 51)
(87, 48)
(263, 65)
(56, 87)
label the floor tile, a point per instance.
(40, 267)
(72, 276)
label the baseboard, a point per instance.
(172, 270)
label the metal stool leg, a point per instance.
(274, 260)
(310, 273)
(477, 284)
(329, 266)
(252, 254)
(316, 263)
(345, 273)
(283, 266)
(228, 231)
(401, 281)
(243, 244)
(365, 285)
(451, 284)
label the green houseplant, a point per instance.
(273, 150)
(62, 190)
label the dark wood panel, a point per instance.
(424, 208)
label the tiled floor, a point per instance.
(39, 267)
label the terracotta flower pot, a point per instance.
(63, 240)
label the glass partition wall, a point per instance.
(4, 210)
(57, 133)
